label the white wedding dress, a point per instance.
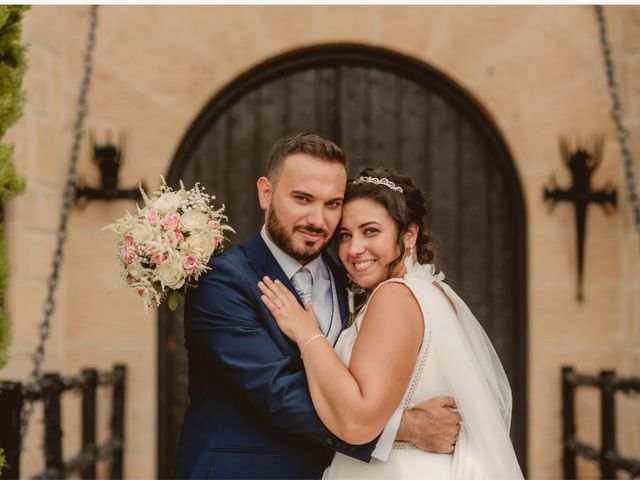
(457, 359)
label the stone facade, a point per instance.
(536, 70)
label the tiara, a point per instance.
(379, 181)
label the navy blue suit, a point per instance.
(251, 414)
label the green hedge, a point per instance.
(12, 67)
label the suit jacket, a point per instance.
(251, 414)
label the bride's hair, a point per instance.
(406, 207)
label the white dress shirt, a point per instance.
(324, 298)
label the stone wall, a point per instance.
(537, 70)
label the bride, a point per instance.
(412, 340)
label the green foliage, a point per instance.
(11, 183)
(5, 338)
(12, 67)
(4, 267)
(3, 460)
(5, 333)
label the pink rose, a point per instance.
(179, 236)
(152, 216)
(213, 225)
(129, 250)
(189, 262)
(170, 222)
(158, 258)
(218, 241)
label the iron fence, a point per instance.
(607, 455)
(49, 390)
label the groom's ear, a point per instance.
(265, 191)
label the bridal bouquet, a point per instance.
(169, 242)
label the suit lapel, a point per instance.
(264, 263)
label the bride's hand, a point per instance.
(297, 323)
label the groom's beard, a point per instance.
(282, 238)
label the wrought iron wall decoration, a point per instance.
(581, 163)
(109, 159)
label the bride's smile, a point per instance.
(362, 265)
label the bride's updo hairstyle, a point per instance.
(406, 207)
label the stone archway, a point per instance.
(382, 108)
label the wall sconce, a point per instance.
(109, 158)
(581, 163)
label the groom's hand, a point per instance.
(431, 425)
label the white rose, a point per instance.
(193, 220)
(137, 271)
(168, 202)
(170, 273)
(142, 233)
(200, 245)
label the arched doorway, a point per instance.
(382, 108)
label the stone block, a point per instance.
(115, 316)
(412, 29)
(631, 26)
(286, 28)
(559, 317)
(627, 424)
(41, 249)
(32, 460)
(39, 29)
(25, 302)
(20, 214)
(41, 85)
(553, 68)
(467, 43)
(335, 22)
(190, 64)
(41, 151)
(578, 23)
(553, 264)
(48, 209)
(71, 405)
(628, 68)
(30, 255)
(587, 469)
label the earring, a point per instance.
(408, 259)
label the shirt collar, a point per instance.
(290, 265)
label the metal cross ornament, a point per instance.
(581, 163)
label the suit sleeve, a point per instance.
(223, 330)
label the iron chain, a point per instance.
(616, 114)
(67, 204)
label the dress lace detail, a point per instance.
(427, 272)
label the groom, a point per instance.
(251, 414)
